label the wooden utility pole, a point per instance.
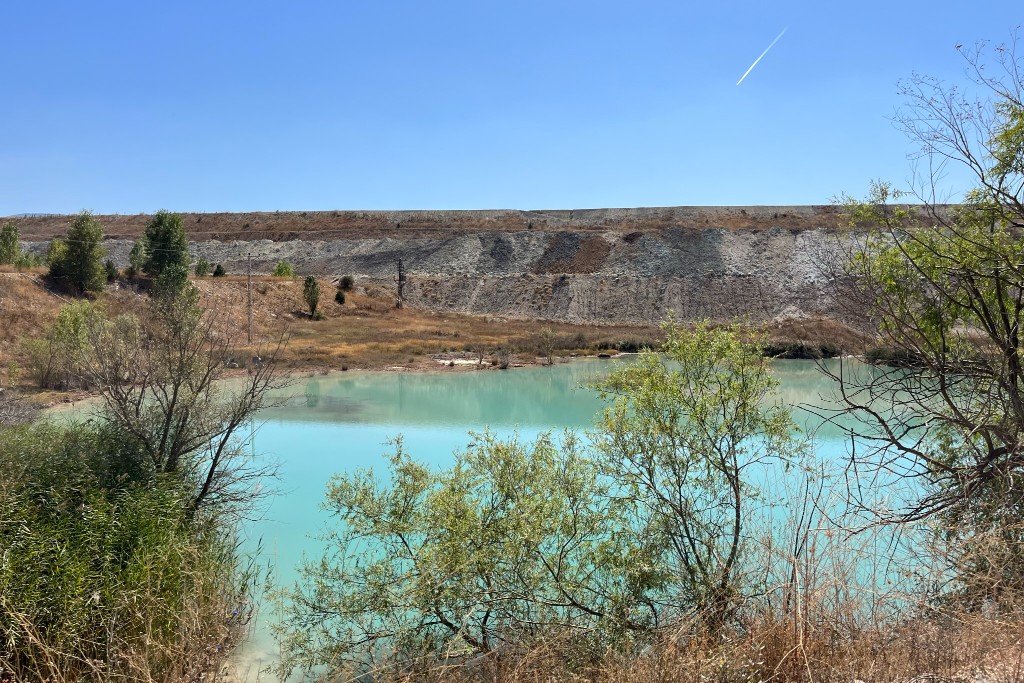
(401, 284)
(249, 288)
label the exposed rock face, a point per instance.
(595, 266)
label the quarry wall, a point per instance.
(589, 266)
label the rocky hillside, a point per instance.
(589, 266)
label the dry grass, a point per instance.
(288, 225)
(367, 332)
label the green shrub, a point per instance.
(346, 283)
(171, 282)
(10, 249)
(218, 271)
(284, 269)
(202, 267)
(311, 294)
(26, 260)
(136, 259)
(339, 296)
(110, 269)
(105, 575)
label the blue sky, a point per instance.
(230, 106)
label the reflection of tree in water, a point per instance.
(312, 393)
(312, 404)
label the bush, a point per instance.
(26, 260)
(105, 574)
(284, 269)
(202, 268)
(110, 269)
(218, 271)
(55, 359)
(10, 249)
(136, 259)
(801, 350)
(171, 282)
(339, 296)
(346, 283)
(311, 294)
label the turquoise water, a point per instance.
(340, 422)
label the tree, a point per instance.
(346, 282)
(110, 270)
(546, 343)
(685, 429)
(78, 259)
(219, 271)
(944, 287)
(171, 283)
(311, 293)
(164, 244)
(136, 259)
(605, 544)
(159, 380)
(284, 269)
(514, 541)
(10, 249)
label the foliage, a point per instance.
(311, 293)
(283, 269)
(10, 249)
(78, 260)
(136, 259)
(172, 282)
(684, 432)
(105, 575)
(202, 267)
(26, 260)
(219, 271)
(110, 270)
(610, 542)
(547, 344)
(339, 297)
(55, 360)
(511, 542)
(158, 378)
(56, 251)
(943, 289)
(346, 283)
(164, 244)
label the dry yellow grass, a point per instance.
(367, 332)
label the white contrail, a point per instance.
(770, 46)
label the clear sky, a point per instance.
(244, 106)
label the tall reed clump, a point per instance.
(104, 572)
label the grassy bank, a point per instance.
(104, 575)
